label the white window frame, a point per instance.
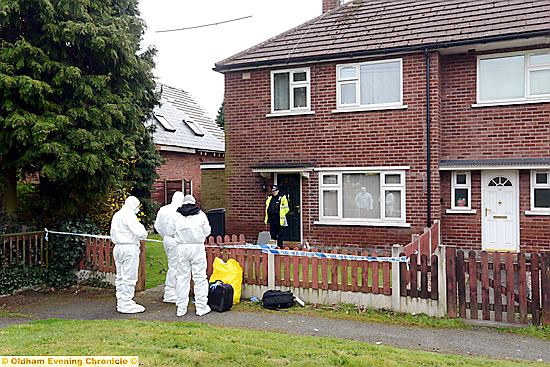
(190, 186)
(357, 81)
(330, 187)
(383, 221)
(392, 187)
(292, 86)
(467, 186)
(534, 186)
(527, 97)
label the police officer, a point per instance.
(276, 209)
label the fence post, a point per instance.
(442, 280)
(395, 281)
(450, 271)
(140, 286)
(545, 287)
(270, 271)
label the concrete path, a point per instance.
(100, 305)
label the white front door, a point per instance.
(500, 211)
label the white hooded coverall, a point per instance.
(166, 215)
(126, 232)
(190, 232)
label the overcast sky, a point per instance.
(185, 58)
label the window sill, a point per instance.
(363, 224)
(507, 103)
(290, 113)
(536, 212)
(372, 108)
(461, 211)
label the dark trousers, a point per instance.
(275, 231)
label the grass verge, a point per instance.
(192, 344)
(356, 313)
(541, 332)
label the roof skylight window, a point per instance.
(194, 127)
(165, 124)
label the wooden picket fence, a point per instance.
(253, 262)
(425, 243)
(307, 272)
(333, 274)
(420, 279)
(501, 287)
(26, 249)
(98, 257)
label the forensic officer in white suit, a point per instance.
(190, 230)
(126, 233)
(166, 215)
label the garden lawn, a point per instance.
(157, 263)
(192, 344)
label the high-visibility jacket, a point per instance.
(283, 208)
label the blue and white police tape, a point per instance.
(243, 246)
(74, 234)
(323, 255)
(248, 246)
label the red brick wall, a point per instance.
(369, 138)
(514, 131)
(182, 166)
(330, 4)
(213, 189)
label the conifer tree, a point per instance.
(74, 93)
(220, 118)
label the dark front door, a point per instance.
(289, 184)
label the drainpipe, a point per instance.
(428, 143)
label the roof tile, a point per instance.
(176, 106)
(374, 25)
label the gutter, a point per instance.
(393, 50)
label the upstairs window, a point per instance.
(290, 90)
(540, 191)
(370, 84)
(514, 77)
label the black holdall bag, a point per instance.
(275, 299)
(220, 296)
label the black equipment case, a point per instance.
(220, 296)
(275, 299)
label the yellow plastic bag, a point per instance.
(229, 272)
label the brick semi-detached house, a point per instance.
(192, 147)
(336, 111)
